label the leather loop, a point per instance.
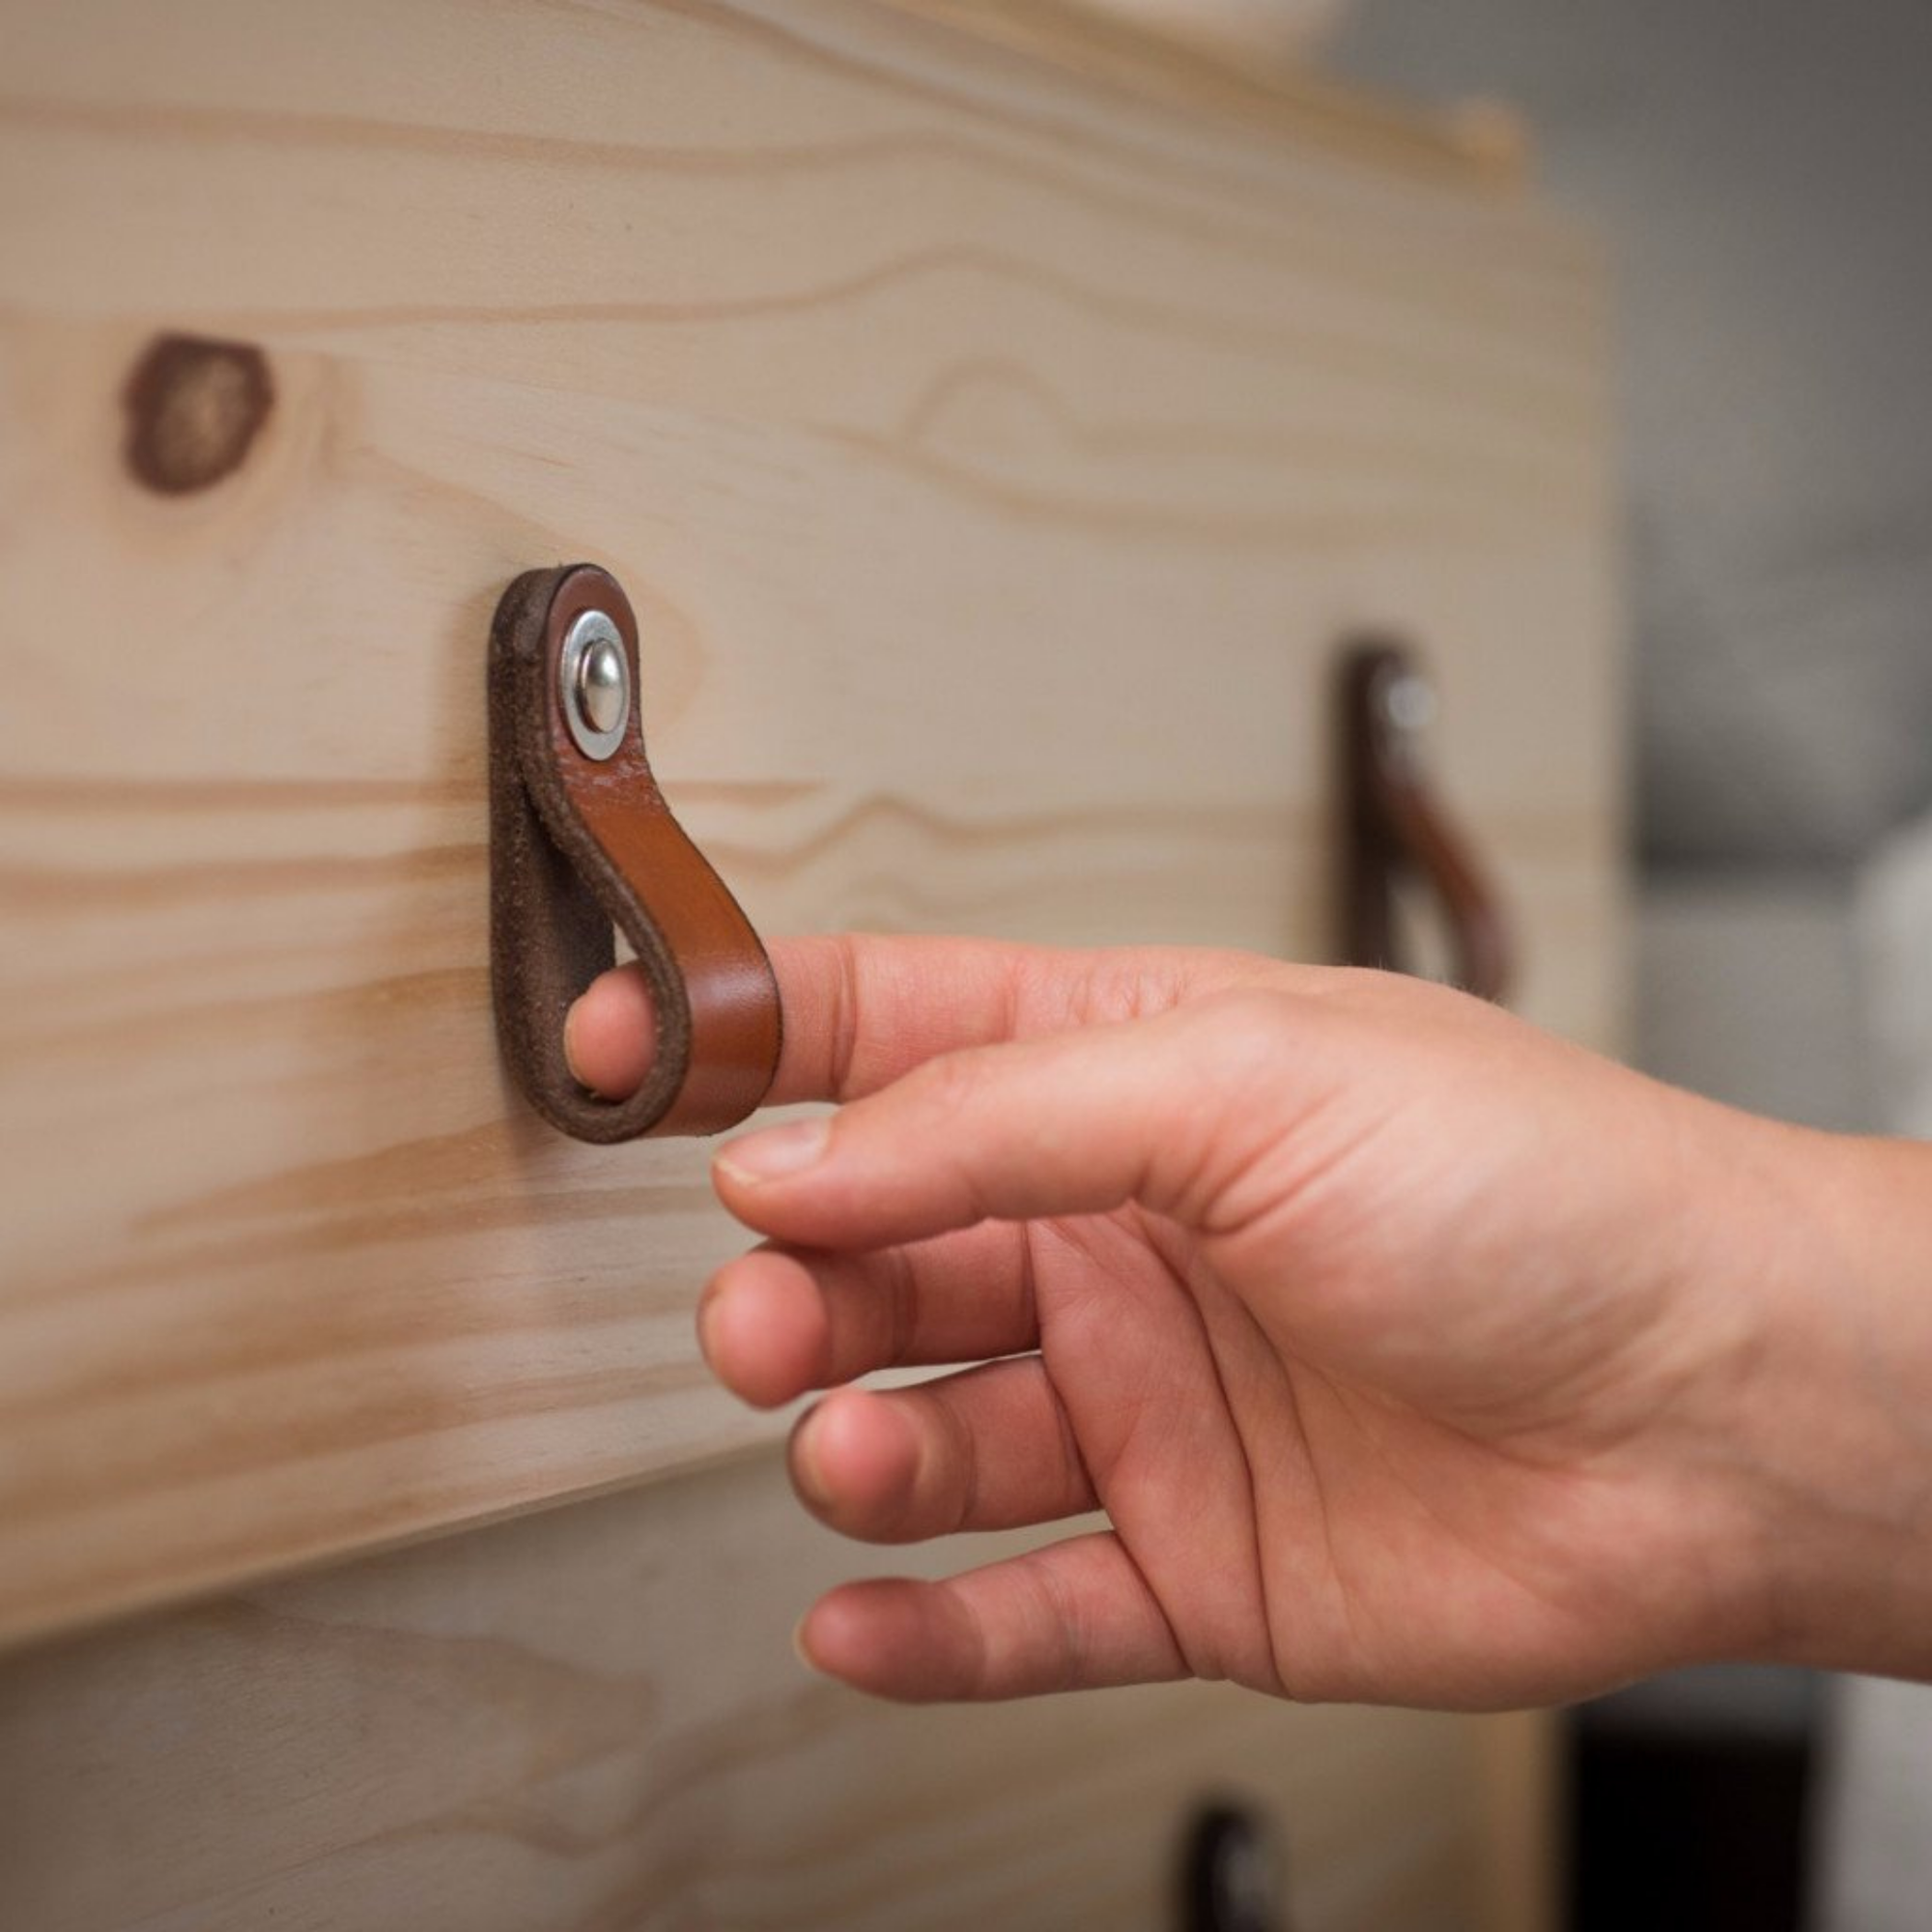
(1393, 825)
(579, 845)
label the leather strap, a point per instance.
(1392, 825)
(578, 846)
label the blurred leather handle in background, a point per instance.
(1393, 826)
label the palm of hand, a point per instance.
(1323, 1515)
(1316, 1486)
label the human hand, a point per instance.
(1414, 1355)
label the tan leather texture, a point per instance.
(578, 847)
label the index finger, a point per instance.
(862, 1010)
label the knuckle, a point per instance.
(1061, 1618)
(895, 1308)
(845, 979)
(952, 1082)
(956, 1451)
(858, 1319)
(1244, 1032)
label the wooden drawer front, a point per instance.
(993, 458)
(592, 1718)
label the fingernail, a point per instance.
(805, 1473)
(705, 1304)
(798, 1648)
(570, 1043)
(775, 1154)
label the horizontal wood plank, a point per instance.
(593, 1719)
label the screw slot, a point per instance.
(595, 685)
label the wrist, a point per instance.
(1833, 1403)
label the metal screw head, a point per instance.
(595, 685)
(1404, 704)
(1409, 701)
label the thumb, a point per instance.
(1171, 1111)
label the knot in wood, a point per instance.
(194, 409)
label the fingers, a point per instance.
(611, 1034)
(773, 1325)
(860, 1011)
(1173, 1112)
(1074, 1616)
(991, 1448)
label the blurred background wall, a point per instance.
(1760, 170)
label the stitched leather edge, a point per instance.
(557, 888)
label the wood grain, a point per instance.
(993, 464)
(1244, 64)
(592, 1718)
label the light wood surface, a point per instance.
(592, 1718)
(1239, 61)
(993, 463)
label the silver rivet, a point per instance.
(1404, 703)
(594, 683)
(1409, 701)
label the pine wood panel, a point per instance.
(993, 463)
(1245, 61)
(592, 1718)
(718, 202)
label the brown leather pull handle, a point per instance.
(1392, 825)
(581, 841)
